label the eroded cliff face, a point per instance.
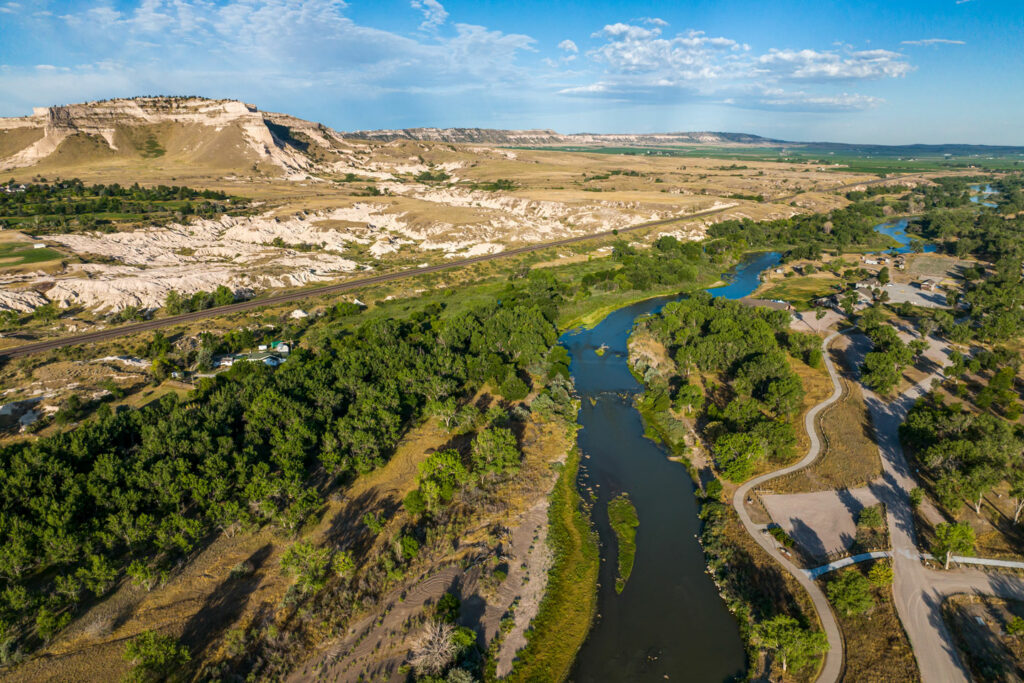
(107, 119)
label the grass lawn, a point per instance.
(800, 291)
(21, 253)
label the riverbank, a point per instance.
(569, 602)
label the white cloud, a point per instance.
(641, 64)
(802, 101)
(434, 13)
(832, 66)
(265, 49)
(653, 21)
(568, 46)
(933, 41)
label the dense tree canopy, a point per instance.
(252, 446)
(747, 347)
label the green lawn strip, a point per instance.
(26, 253)
(623, 519)
(569, 603)
(801, 291)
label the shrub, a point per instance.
(513, 389)
(155, 657)
(850, 592)
(871, 517)
(881, 575)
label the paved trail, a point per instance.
(833, 668)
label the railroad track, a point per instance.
(148, 325)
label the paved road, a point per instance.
(833, 668)
(919, 592)
(125, 330)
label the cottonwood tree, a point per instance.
(794, 645)
(953, 538)
(850, 592)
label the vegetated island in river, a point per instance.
(624, 521)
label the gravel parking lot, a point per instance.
(821, 522)
(898, 293)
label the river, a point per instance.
(670, 622)
(978, 193)
(898, 231)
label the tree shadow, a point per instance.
(224, 605)
(808, 540)
(347, 529)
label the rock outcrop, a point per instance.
(283, 141)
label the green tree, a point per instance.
(795, 646)
(850, 592)
(222, 296)
(953, 539)
(308, 564)
(881, 574)
(495, 453)
(155, 657)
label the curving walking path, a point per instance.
(833, 668)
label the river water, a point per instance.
(898, 231)
(670, 622)
(980, 194)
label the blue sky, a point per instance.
(893, 72)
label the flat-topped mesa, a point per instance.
(543, 137)
(267, 135)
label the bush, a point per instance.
(155, 657)
(871, 517)
(447, 609)
(513, 389)
(850, 592)
(308, 564)
(881, 574)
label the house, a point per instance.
(281, 347)
(266, 357)
(773, 304)
(870, 262)
(869, 283)
(930, 284)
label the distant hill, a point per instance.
(541, 137)
(187, 135)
